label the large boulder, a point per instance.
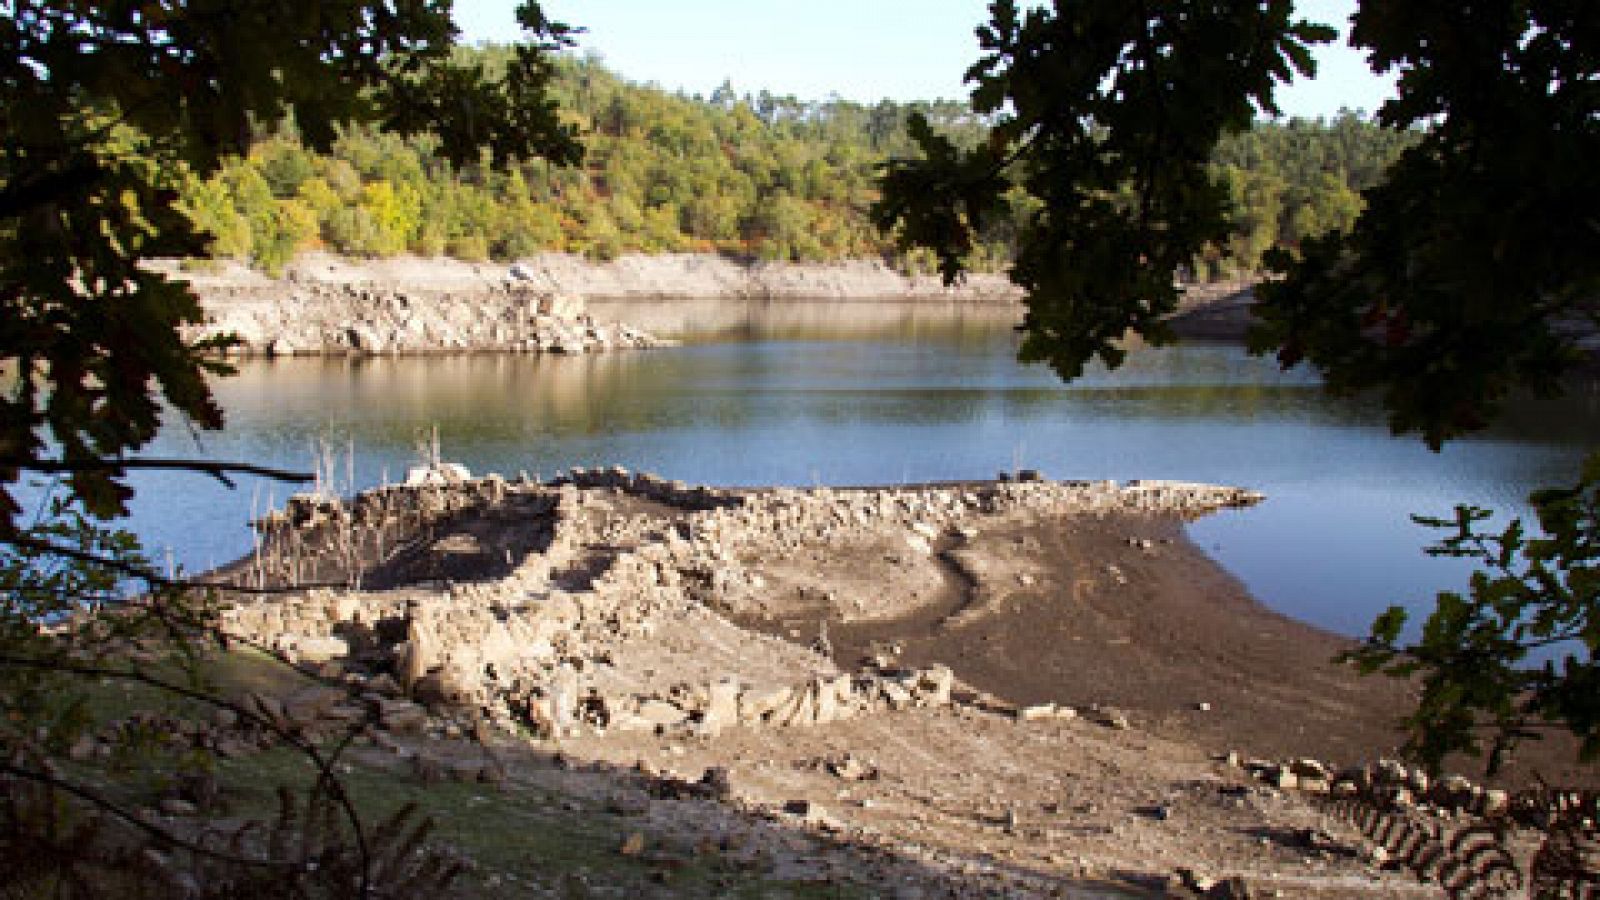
(422, 652)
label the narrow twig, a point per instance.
(153, 579)
(218, 470)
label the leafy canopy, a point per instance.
(1461, 281)
(105, 108)
(103, 105)
(1476, 659)
(1467, 276)
(1108, 114)
(1452, 287)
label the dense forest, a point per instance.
(764, 176)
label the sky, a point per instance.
(862, 50)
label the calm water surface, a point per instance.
(862, 394)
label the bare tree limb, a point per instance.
(149, 577)
(218, 470)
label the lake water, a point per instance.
(843, 394)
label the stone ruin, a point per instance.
(600, 611)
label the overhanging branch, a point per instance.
(218, 470)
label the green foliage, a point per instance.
(1450, 292)
(1109, 114)
(1447, 261)
(668, 173)
(211, 208)
(88, 334)
(109, 110)
(1435, 259)
(1538, 594)
(663, 173)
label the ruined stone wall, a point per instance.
(549, 644)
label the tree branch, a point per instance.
(217, 470)
(18, 198)
(133, 570)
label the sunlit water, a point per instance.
(844, 394)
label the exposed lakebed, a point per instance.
(884, 393)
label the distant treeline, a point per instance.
(759, 176)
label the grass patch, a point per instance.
(520, 837)
(517, 837)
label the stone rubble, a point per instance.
(1397, 784)
(307, 318)
(611, 623)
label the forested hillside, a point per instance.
(760, 176)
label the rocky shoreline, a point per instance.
(327, 305)
(346, 319)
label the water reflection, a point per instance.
(706, 321)
(863, 393)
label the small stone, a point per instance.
(849, 768)
(1037, 712)
(1195, 881)
(800, 808)
(1310, 768)
(716, 783)
(1112, 718)
(402, 715)
(82, 749)
(176, 806)
(321, 649)
(661, 713)
(722, 706)
(1496, 802)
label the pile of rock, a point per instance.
(1396, 784)
(359, 319)
(727, 703)
(612, 622)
